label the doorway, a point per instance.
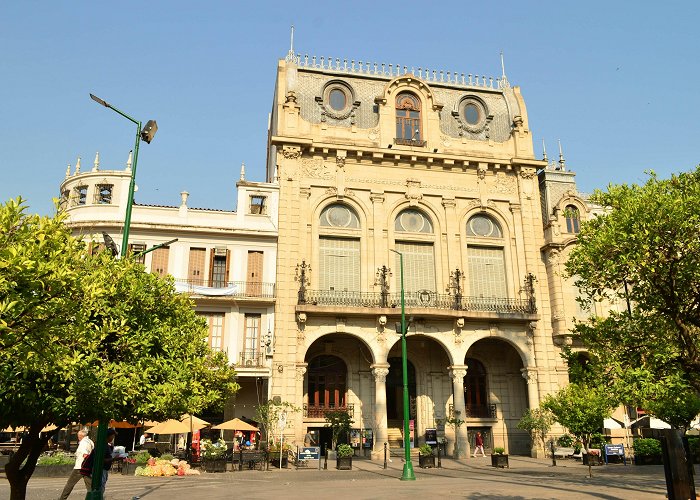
(394, 390)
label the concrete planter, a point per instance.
(218, 465)
(53, 470)
(589, 459)
(343, 463)
(426, 461)
(499, 461)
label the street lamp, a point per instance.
(408, 474)
(146, 133)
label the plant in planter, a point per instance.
(593, 457)
(213, 455)
(426, 458)
(129, 466)
(499, 458)
(55, 465)
(273, 454)
(647, 451)
(344, 453)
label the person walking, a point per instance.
(85, 447)
(479, 444)
(86, 469)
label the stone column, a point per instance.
(533, 399)
(458, 372)
(380, 371)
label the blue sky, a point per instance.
(615, 81)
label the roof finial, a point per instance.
(129, 160)
(503, 83)
(96, 164)
(562, 163)
(242, 171)
(77, 166)
(291, 57)
(68, 171)
(544, 152)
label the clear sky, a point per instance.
(617, 82)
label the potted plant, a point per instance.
(343, 460)
(426, 459)
(647, 451)
(56, 464)
(273, 454)
(213, 455)
(593, 457)
(499, 458)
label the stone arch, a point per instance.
(504, 221)
(370, 346)
(409, 83)
(448, 353)
(363, 212)
(425, 206)
(515, 340)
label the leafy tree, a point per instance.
(87, 337)
(268, 415)
(645, 249)
(537, 422)
(340, 423)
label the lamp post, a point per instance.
(408, 474)
(146, 133)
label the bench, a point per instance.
(562, 452)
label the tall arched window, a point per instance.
(413, 232)
(339, 249)
(475, 388)
(486, 258)
(572, 219)
(408, 122)
(326, 383)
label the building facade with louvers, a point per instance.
(377, 159)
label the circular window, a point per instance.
(413, 221)
(340, 216)
(337, 99)
(481, 225)
(471, 113)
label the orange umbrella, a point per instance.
(236, 425)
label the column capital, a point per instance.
(380, 371)
(458, 371)
(529, 374)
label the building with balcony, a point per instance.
(224, 260)
(376, 159)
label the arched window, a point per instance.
(408, 122)
(418, 256)
(326, 383)
(475, 388)
(486, 258)
(339, 249)
(572, 219)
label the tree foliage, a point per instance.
(340, 423)
(645, 249)
(87, 337)
(268, 414)
(537, 422)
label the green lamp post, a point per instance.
(408, 474)
(146, 133)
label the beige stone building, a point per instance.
(439, 166)
(225, 260)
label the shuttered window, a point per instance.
(418, 266)
(159, 261)
(487, 272)
(339, 260)
(195, 272)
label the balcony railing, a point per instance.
(245, 289)
(416, 299)
(252, 359)
(478, 411)
(311, 411)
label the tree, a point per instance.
(645, 249)
(87, 337)
(340, 423)
(581, 409)
(268, 415)
(537, 422)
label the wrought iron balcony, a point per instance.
(424, 299)
(313, 411)
(478, 411)
(252, 358)
(238, 289)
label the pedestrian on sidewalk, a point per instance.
(479, 444)
(85, 446)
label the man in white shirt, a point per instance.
(85, 446)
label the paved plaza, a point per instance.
(471, 479)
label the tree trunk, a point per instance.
(30, 449)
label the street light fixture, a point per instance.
(408, 474)
(146, 134)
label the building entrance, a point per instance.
(394, 390)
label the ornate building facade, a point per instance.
(440, 167)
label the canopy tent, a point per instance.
(236, 425)
(194, 423)
(170, 427)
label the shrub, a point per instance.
(212, 450)
(565, 441)
(597, 441)
(646, 447)
(142, 457)
(57, 458)
(344, 451)
(499, 450)
(426, 450)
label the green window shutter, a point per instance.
(339, 261)
(487, 272)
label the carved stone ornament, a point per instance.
(459, 322)
(380, 374)
(314, 167)
(373, 134)
(458, 373)
(291, 153)
(301, 370)
(413, 189)
(332, 190)
(503, 184)
(527, 173)
(481, 171)
(529, 374)
(340, 161)
(381, 320)
(553, 257)
(301, 318)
